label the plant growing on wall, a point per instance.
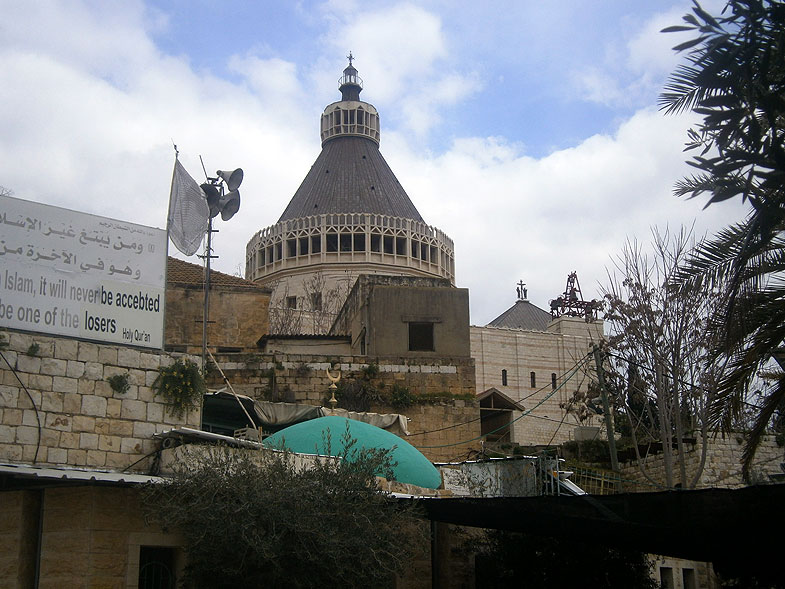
(181, 385)
(401, 397)
(119, 383)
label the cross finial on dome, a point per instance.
(350, 83)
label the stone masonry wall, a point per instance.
(90, 537)
(303, 379)
(238, 317)
(522, 352)
(19, 514)
(723, 463)
(83, 422)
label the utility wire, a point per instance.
(578, 363)
(32, 402)
(578, 366)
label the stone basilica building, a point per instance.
(350, 216)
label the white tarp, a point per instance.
(188, 211)
(284, 414)
(69, 273)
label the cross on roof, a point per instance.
(350, 57)
(521, 291)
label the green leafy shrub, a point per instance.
(181, 385)
(322, 526)
(358, 395)
(119, 383)
(401, 397)
(370, 371)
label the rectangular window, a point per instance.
(346, 242)
(504, 378)
(666, 577)
(400, 246)
(359, 242)
(415, 249)
(291, 248)
(303, 246)
(388, 244)
(421, 337)
(316, 244)
(553, 381)
(278, 251)
(291, 302)
(376, 242)
(688, 578)
(533, 379)
(332, 242)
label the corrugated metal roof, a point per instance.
(181, 272)
(523, 315)
(75, 475)
(350, 176)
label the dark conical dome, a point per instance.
(349, 216)
(350, 175)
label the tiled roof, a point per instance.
(350, 176)
(523, 315)
(181, 272)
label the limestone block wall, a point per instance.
(90, 537)
(723, 463)
(519, 353)
(83, 422)
(302, 378)
(293, 378)
(19, 515)
(238, 317)
(678, 572)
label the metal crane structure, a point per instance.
(571, 302)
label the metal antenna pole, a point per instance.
(206, 311)
(206, 308)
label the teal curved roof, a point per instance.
(309, 437)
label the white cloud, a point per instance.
(72, 135)
(514, 217)
(634, 63)
(402, 53)
(90, 106)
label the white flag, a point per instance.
(188, 212)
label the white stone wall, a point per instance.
(521, 352)
(723, 463)
(83, 422)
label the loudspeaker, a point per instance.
(229, 204)
(232, 179)
(213, 196)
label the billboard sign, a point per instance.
(68, 273)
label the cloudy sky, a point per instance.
(528, 131)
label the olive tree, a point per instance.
(254, 518)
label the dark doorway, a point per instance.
(156, 567)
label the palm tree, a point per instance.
(734, 77)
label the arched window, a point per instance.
(504, 378)
(533, 379)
